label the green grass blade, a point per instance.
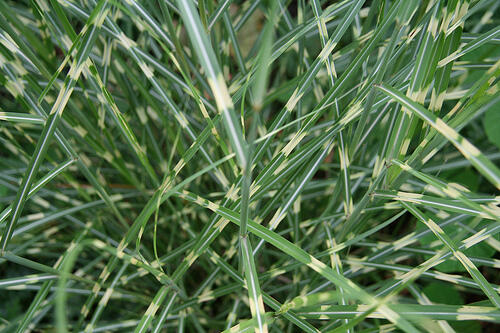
(483, 165)
(209, 62)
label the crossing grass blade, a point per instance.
(475, 156)
(469, 265)
(254, 293)
(472, 45)
(302, 256)
(415, 312)
(207, 58)
(95, 21)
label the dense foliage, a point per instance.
(254, 165)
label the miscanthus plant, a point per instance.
(267, 166)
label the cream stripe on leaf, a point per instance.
(412, 311)
(461, 257)
(299, 254)
(215, 78)
(477, 159)
(445, 204)
(140, 58)
(472, 45)
(166, 190)
(76, 68)
(253, 286)
(453, 191)
(329, 62)
(30, 101)
(38, 185)
(352, 69)
(157, 301)
(269, 300)
(461, 114)
(405, 125)
(172, 41)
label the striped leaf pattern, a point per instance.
(249, 166)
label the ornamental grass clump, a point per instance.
(239, 166)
